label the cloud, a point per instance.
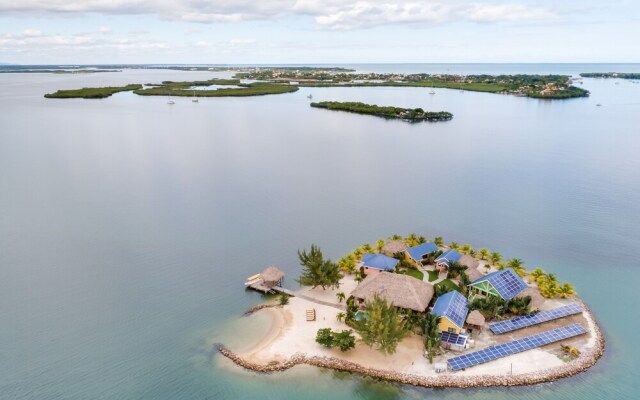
(242, 42)
(330, 14)
(104, 30)
(31, 33)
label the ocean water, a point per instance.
(128, 226)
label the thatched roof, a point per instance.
(469, 262)
(400, 290)
(271, 274)
(394, 246)
(473, 274)
(475, 318)
(536, 297)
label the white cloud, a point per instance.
(241, 42)
(31, 33)
(104, 30)
(331, 14)
(202, 43)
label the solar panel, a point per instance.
(534, 319)
(517, 346)
(508, 283)
(458, 309)
(452, 338)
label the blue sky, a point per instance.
(328, 31)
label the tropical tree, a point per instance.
(380, 244)
(367, 248)
(344, 340)
(517, 265)
(454, 245)
(384, 327)
(317, 271)
(549, 288)
(340, 296)
(464, 282)
(535, 274)
(284, 299)
(490, 306)
(438, 241)
(347, 264)
(395, 237)
(466, 248)
(487, 267)
(431, 333)
(358, 277)
(519, 305)
(340, 316)
(324, 337)
(495, 257)
(483, 254)
(454, 269)
(422, 239)
(566, 290)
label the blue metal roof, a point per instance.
(452, 305)
(506, 281)
(379, 261)
(449, 256)
(418, 252)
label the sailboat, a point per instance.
(432, 92)
(171, 101)
(310, 96)
(195, 99)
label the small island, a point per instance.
(618, 75)
(424, 313)
(405, 114)
(220, 88)
(91, 93)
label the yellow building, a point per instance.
(452, 308)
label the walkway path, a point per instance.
(300, 295)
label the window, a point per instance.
(451, 330)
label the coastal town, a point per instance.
(425, 313)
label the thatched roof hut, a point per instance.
(271, 276)
(473, 274)
(400, 290)
(393, 247)
(469, 261)
(475, 318)
(536, 297)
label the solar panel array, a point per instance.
(534, 319)
(517, 346)
(452, 338)
(507, 283)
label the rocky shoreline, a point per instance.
(586, 360)
(260, 307)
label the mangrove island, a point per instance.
(405, 114)
(91, 93)
(424, 313)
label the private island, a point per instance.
(423, 313)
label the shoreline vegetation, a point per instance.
(359, 315)
(388, 112)
(91, 93)
(618, 75)
(535, 86)
(181, 89)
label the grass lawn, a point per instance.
(413, 272)
(433, 275)
(448, 285)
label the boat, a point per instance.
(310, 96)
(171, 102)
(194, 99)
(432, 92)
(598, 105)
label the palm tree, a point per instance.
(535, 274)
(464, 282)
(495, 258)
(483, 253)
(340, 296)
(454, 245)
(395, 237)
(422, 239)
(549, 289)
(516, 264)
(358, 277)
(487, 267)
(438, 241)
(566, 290)
(340, 316)
(380, 244)
(551, 277)
(367, 248)
(466, 248)
(412, 240)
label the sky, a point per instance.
(324, 31)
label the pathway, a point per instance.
(279, 289)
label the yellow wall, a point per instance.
(407, 256)
(445, 324)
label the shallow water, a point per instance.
(128, 226)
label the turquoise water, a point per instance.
(128, 226)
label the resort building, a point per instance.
(472, 265)
(505, 283)
(452, 308)
(449, 256)
(266, 280)
(374, 263)
(397, 289)
(393, 247)
(475, 321)
(420, 252)
(534, 295)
